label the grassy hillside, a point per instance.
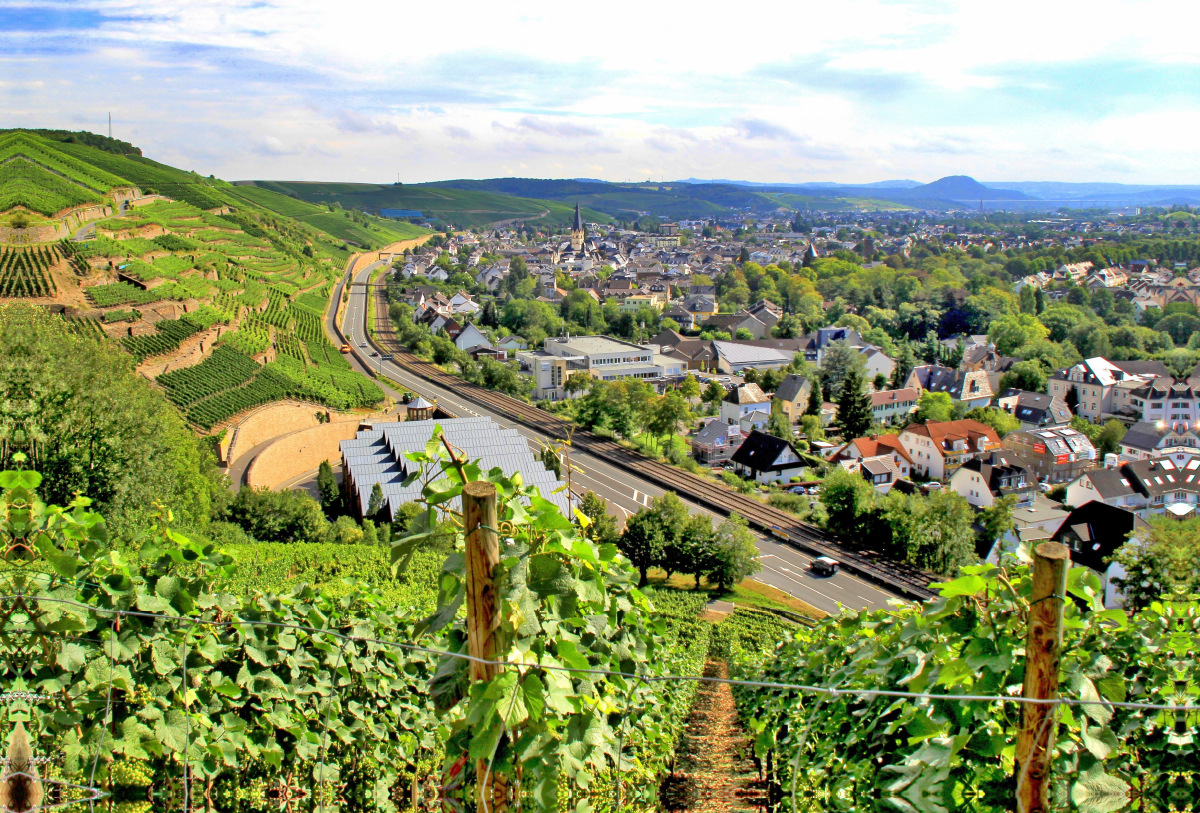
(462, 207)
(666, 200)
(253, 270)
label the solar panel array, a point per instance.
(376, 455)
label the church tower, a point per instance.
(577, 233)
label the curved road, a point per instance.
(784, 567)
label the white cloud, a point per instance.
(308, 89)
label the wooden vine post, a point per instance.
(1043, 651)
(484, 638)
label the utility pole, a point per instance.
(484, 637)
(1043, 651)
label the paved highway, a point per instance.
(784, 567)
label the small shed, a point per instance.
(420, 410)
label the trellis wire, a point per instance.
(824, 692)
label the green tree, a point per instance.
(850, 506)
(810, 427)
(690, 388)
(1027, 375)
(713, 393)
(998, 419)
(650, 531)
(996, 520)
(278, 516)
(814, 400)
(779, 426)
(376, 502)
(74, 406)
(327, 489)
(602, 526)
(1160, 563)
(670, 410)
(854, 407)
(936, 531)
(839, 360)
(690, 552)
(934, 406)
(734, 553)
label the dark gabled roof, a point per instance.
(1000, 464)
(712, 433)
(760, 450)
(1100, 530)
(1162, 476)
(1111, 483)
(1144, 435)
(1143, 367)
(791, 386)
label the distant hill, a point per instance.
(962, 187)
(809, 184)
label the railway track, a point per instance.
(780, 524)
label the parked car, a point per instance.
(932, 486)
(798, 490)
(824, 566)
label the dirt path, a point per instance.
(715, 772)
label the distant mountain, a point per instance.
(807, 184)
(962, 187)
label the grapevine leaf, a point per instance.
(1098, 792)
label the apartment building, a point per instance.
(1056, 455)
(1146, 487)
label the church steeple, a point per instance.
(578, 234)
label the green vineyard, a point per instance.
(225, 369)
(170, 334)
(25, 272)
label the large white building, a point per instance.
(599, 357)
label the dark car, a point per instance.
(824, 566)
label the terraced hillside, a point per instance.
(216, 291)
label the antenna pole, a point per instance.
(110, 125)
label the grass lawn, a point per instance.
(747, 594)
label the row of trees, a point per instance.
(930, 532)
(666, 536)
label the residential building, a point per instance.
(876, 362)
(1057, 455)
(1102, 388)
(1035, 410)
(792, 396)
(471, 336)
(599, 356)
(937, 448)
(643, 300)
(1094, 532)
(741, 401)
(1146, 440)
(984, 357)
(890, 406)
(376, 455)
(731, 323)
(715, 442)
(814, 344)
(767, 459)
(1146, 487)
(880, 471)
(990, 477)
(972, 388)
(876, 446)
(1164, 400)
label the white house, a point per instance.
(741, 401)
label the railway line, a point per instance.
(777, 523)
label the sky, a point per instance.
(851, 91)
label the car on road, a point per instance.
(374, 352)
(345, 348)
(824, 566)
(362, 344)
